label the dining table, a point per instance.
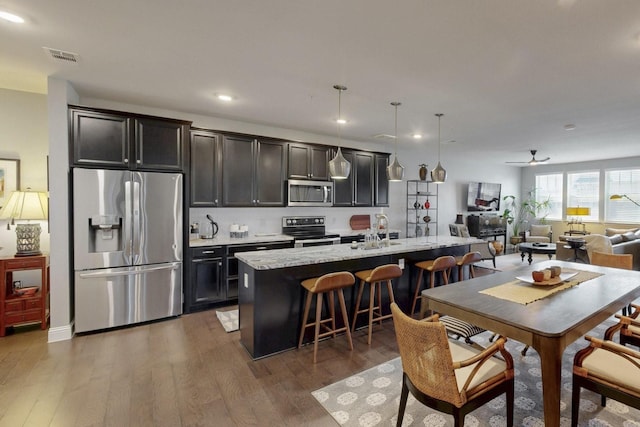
(547, 316)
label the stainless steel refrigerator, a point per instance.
(127, 233)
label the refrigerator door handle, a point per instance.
(128, 272)
(128, 249)
(136, 222)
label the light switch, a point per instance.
(246, 280)
(401, 263)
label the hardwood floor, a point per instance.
(180, 372)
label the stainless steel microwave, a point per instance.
(310, 193)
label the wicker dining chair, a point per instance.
(446, 375)
(628, 327)
(624, 261)
(609, 369)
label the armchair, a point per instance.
(538, 233)
(446, 375)
(609, 369)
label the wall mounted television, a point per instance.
(483, 197)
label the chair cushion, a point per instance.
(460, 327)
(613, 368)
(489, 369)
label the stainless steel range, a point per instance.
(308, 231)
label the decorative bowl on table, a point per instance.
(26, 291)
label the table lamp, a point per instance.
(26, 205)
(623, 196)
(575, 212)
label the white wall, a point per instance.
(24, 136)
(60, 300)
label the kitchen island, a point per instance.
(270, 297)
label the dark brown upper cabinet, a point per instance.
(253, 171)
(381, 185)
(112, 139)
(205, 170)
(357, 189)
(308, 161)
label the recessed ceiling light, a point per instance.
(569, 127)
(417, 136)
(11, 17)
(341, 121)
(224, 97)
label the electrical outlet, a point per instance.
(401, 263)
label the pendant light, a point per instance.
(339, 167)
(439, 175)
(395, 171)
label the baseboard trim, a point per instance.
(60, 333)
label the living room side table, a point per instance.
(18, 310)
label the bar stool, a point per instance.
(443, 264)
(469, 259)
(375, 278)
(328, 283)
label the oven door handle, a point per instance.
(328, 241)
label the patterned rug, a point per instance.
(371, 398)
(228, 319)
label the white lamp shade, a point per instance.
(339, 167)
(395, 171)
(26, 205)
(439, 174)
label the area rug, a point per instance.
(228, 319)
(371, 398)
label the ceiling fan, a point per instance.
(533, 160)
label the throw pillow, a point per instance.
(612, 231)
(616, 238)
(628, 236)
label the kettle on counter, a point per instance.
(209, 231)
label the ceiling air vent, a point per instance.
(61, 55)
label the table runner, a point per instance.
(526, 293)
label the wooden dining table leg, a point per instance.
(550, 351)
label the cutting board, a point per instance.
(360, 222)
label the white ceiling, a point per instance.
(508, 74)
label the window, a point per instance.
(622, 182)
(583, 191)
(549, 187)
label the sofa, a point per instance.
(615, 240)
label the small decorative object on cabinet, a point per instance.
(422, 208)
(23, 306)
(423, 172)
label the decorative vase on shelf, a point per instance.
(423, 172)
(427, 204)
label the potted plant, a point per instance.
(517, 214)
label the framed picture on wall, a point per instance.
(9, 178)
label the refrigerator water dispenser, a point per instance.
(105, 234)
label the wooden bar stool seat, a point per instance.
(469, 259)
(442, 264)
(328, 283)
(374, 278)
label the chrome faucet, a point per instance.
(383, 219)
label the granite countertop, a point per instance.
(226, 240)
(281, 258)
(349, 232)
